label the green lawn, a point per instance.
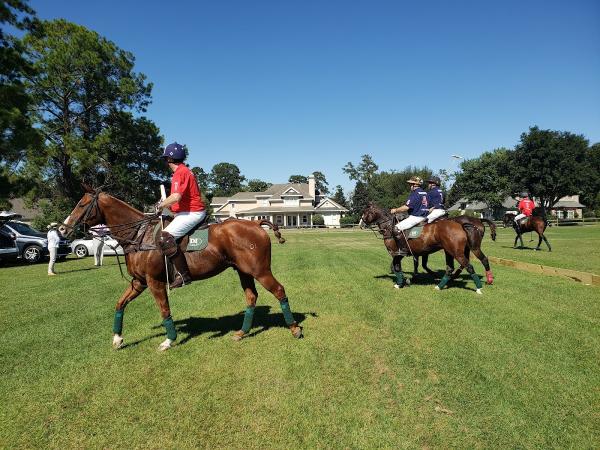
(518, 367)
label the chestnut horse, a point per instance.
(532, 223)
(479, 225)
(241, 244)
(446, 235)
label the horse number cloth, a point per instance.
(414, 232)
(198, 241)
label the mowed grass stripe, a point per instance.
(379, 367)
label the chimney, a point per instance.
(311, 186)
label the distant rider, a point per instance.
(416, 205)
(526, 207)
(185, 201)
(435, 200)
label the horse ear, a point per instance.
(87, 188)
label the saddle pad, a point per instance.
(198, 241)
(414, 232)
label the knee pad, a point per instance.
(168, 244)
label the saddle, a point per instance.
(195, 240)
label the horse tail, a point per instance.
(492, 228)
(470, 231)
(273, 227)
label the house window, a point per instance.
(291, 202)
(304, 219)
(559, 214)
(279, 220)
(570, 214)
(264, 202)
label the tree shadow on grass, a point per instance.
(193, 327)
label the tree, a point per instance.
(202, 178)
(364, 171)
(318, 220)
(339, 196)
(321, 183)
(591, 187)
(360, 199)
(17, 133)
(551, 164)
(81, 81)
(390, 189)
(226, 179)
(488, 178)
(298, 179)
(256, 185)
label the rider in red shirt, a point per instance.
(186, 203)
(526, 207)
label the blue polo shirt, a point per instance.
(435, 197)
(417, 203)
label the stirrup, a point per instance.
(180, 281)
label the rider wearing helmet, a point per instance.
(185, 201)
(435, 199)
(526, 207)
(416, 205)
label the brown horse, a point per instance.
(241, 244)
(479, 225)
(531, 223)
(446, 235)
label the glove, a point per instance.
(158, 207)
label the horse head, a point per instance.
(507, 221)
(87, 212)
(372, 214)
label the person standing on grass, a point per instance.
(186, 203)
(53, 241)
(100, 233)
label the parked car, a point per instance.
(85, 247)
(32, 245)
(8, 247)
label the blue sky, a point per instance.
(282, 87)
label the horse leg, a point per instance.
(547, 243)
(159, 291)
(539, 242)
(449, 269)
(132, 291)
(251, 296)
(397, 263)
(489, 276)
(424, 261)
(274, 287)
(460, 269)
(415, 265)
(516, 239)
(464, 262)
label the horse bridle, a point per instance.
(92, 205)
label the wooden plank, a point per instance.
(575, 275)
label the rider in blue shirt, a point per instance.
(416, 205)
(435, 198)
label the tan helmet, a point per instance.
(52, 225)
(415, 180)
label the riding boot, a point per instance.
(400, 242)
(183, 277)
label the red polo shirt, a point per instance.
(526, 206)
(184, 183)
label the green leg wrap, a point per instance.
(118, 323)
(476, 280)
(444, 281)
(248, 316)
(399, 278)
(170, 326)
(287, 312)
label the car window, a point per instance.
(23, 228)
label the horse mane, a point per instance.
(126, 205)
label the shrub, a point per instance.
(318, 220)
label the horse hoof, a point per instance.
(479, 291)
(407, 282)
(238, 336)
(117, 342)
(397, 286)
(437, 288)
(165, 345)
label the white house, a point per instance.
(286, 205)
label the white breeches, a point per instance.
(409, 222)
(184, 222)
(519, 217)
(435, 214)
(53, 251)
(98, 248)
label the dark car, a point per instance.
(8, 247)
(32, 245)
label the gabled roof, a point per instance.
(567, 204)
(329, 204)
(219, 200)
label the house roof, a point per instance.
(567, 204)
(273, 210)
(474, 206)
(219, 200)
(275, 192)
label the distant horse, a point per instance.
(446, 235)
(241, 244)
(479, 225)
(532, 223)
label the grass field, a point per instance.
(518, 367)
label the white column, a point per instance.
(311, 217)
(298, 223)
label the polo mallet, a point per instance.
(163, 196)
